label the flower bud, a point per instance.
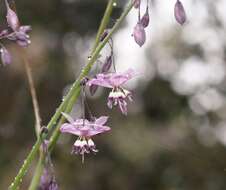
(47, 181)
(25, 28)
(139, 34)
(5, 56)
(12, 19)
(103, 36)
(92, 89)
(145, 19)
(107, 64)
(136, 3)
(179, 13)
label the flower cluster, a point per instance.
(85, 129)
(118, 96)
(139, 33)
(15, 32)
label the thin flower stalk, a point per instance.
(33, 93)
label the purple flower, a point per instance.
(118, 95)
(5, 56)
(179, 13)
(84, 129)
(139, 34)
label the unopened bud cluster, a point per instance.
(15, 32)
(139, 32)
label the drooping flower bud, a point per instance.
(145, 18)
(179, 12)
(47, 181)
(5, 56)
(107, 64)
(92, 89)
(136, 3)
(139, 34)
(12, 18)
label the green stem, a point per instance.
(18, 179)
(73, 90)
(104, 23)
(38, 172)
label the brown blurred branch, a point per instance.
(32, 91)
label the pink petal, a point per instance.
(121, 78)
(100, 80)
(101, 120)
(69, 128)
(98, 130)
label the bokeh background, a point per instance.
(174, 137)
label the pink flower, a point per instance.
(118, 95)
(84, 129)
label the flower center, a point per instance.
(84, 145)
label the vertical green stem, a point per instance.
(18, 179)
(66, 102)
(38, 172)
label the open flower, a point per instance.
(84, 129)
(118, 95)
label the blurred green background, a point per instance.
(174, 136)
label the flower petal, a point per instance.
(69, 128)
(97, 130)
(120, 78)
(101, 120)
(100, 80)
